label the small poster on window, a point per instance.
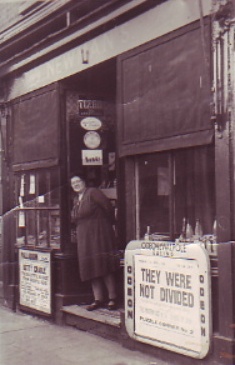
(21, 204)
(163, 187)
(32, 185)
(22, 184)
(21, 219)
(111, 157)
(41, 199)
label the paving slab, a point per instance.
(29, 340)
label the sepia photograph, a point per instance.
(117, 182)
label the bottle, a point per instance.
(189, 231)
(198, 230)
(214, 229)
(147, 234)
(183, 230)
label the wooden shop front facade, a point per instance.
(145, 107)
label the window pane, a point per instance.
(54, 188)
(30, 223)
(154, 193)
(195, 188)
(38, 216)
(54, 228)
(176, 185)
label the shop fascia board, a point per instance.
(112, 43)
(12, 65)
(27, 22)
(53, 18)
(62, 34)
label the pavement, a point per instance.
(29, 340)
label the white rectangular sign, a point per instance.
(92, 157)
(35, 280)
(168, 296)
(167, 300)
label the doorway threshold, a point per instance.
(100, 322)
(102, 315)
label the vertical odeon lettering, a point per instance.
(129, 292)
(202, 305)
(129, 269)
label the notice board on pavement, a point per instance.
(168, 296)
(35, 280)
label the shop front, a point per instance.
(60, 130)
(173, 160)
(141, 120)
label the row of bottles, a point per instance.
(187, 232)
(147, 235)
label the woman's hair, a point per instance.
(79, 174)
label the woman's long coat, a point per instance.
(93, 216)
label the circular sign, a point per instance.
(91, 123)
(92, 139)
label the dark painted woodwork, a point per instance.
(130, 199)
(66, 245)
(223, 185)
(161, 98)
(226, 286)
(36, 126)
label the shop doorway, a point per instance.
(91, 124)
(90, 108)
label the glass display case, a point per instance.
(38, 213)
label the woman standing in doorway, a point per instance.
(93, 215)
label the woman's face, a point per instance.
(78, 185)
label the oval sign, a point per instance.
(91, 123)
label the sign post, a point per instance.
(167, 296)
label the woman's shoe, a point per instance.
(112, 304)
(95, 305)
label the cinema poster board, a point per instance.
(35, 280)
(168, 296)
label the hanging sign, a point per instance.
(92, 157)
(90, 107)
(92, 139)
(35, 280)
(167, 296)
(91, 123)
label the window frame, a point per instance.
(30, 212)
(174, 225)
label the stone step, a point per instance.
(101, 322)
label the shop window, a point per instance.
(38, 214)
(154, 193)
(173, 188)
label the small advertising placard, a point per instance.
(35, 280)
(167, 296)
(90, 107)
(92, 140)
(92, 157)
(91, 123)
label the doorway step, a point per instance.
(101, 322)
